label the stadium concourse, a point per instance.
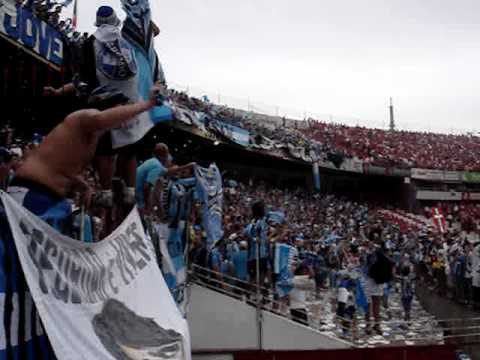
(346, 267)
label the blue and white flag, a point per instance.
(330, 239)
(66, 3)
(285, 255)
(276, 217)
(209, 192)
(137, 30)
(257, 232)
(173, 260)
(125, 59)
(231, 132)
(172, 237)
(360, 297)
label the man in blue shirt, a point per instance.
(151, 171)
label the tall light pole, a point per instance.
(392, 118)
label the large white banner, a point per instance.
(106, 300)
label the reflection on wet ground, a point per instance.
(422, 329)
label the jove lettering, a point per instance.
(22, 26)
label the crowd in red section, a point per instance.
(401, 149)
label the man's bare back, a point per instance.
(69, 148)
(62, 156)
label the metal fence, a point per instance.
(434, 331)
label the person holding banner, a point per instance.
(42, 184)
(151, 171)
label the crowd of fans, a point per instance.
(272, 136)
(400, 149)
(341, 246)
(337, 242)
(458, 216)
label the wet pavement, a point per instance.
(421, 330)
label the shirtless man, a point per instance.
(53, 170)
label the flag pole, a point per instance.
(82, 224)
(74, 17)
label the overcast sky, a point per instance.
(337, 58)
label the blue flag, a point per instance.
(137, 31)
(209, 192)
(360, 297)
(276, 217)
(284, 257)
(332, 238)
(173, 260)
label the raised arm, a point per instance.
(64, 90)
(115, 117)
(173, 170)
(99, 121)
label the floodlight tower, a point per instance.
(392, 118)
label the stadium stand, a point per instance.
(344, 266)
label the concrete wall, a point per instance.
(220, 322)
(283, 334)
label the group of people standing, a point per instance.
(121, 90)
(301, 243)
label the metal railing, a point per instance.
(428, 331)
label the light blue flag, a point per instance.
(173, 260)
(276, 217)
(209, 192)
(284, 257)
(234, 133)
(138, 33)
(332, 238)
